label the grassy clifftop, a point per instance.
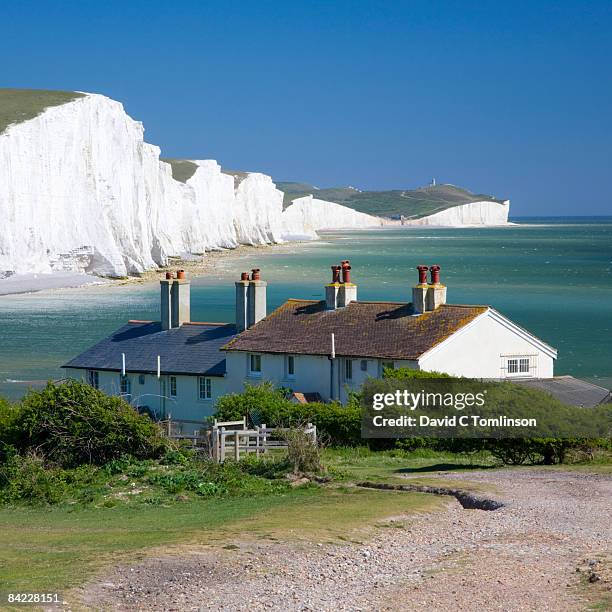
(17, 105)
(182, 169)
(412, 203)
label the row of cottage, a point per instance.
(317, 348)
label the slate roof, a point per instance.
(570, 390)
(386, 330)
(193, 348)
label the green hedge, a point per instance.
(341, 425)
(72, 424)
(337, 424)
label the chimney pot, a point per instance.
(336, 274)
(435, 275)
(180, 274)
(346, 271)
(256, 274)
(168, 275)
(244, 276)
(422, 274)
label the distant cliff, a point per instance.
(432, 205)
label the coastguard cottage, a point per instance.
(317, 348)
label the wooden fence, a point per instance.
(232, 439)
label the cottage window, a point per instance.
(125, 385)
(290, 366)
(255, 365)
(172, 386)
(388, 364)
(141, 379)
(348, 369)
(204, 388)
(93, 378)
(364, 365)
(518, 365)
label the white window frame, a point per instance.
(93, 378)
(290, 365)
(172, 386)
(125, 385)
(348, 370)
(251, 359)
(519, 366)
(204, 388)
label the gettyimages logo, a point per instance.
(467, 408)
(424, 399)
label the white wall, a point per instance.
(480, 350)
(155, 394)
(312, 373)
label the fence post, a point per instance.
(222, 452)
(236, 446)
(264, 439)
(257, 440)
(214, 439)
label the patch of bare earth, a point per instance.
(548, 548)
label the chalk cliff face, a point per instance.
(81, 190)
(305, 216)
(474, 213)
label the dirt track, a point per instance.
(548, 548)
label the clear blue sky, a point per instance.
(510, 98)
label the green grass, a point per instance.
(182, 169)
(360, 463)
(17, 105)
(412, 204)
(238, 175)
(56, 549)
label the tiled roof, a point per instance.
(192, 348)
(570, 390)
(385, 330)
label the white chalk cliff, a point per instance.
(305, 216)
(471, 214)
(80, 189)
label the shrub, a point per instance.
(302, 452)
(261, 403)
(73, 423)
(339, 424)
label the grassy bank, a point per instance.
(54, 549)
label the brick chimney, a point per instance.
(251, 303)
(428, 296)
(175, 300)
(341, 291)
(257, 309)
(166, 303)
(181, 299)
(331, 290)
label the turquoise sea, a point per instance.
(550, 275)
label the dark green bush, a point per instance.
(72, 423)
(336, 423)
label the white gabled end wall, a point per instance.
(484, 347)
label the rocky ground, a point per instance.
(548, 548)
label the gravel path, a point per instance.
(538, 552)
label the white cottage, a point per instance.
(323, 348)
(331, 346)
